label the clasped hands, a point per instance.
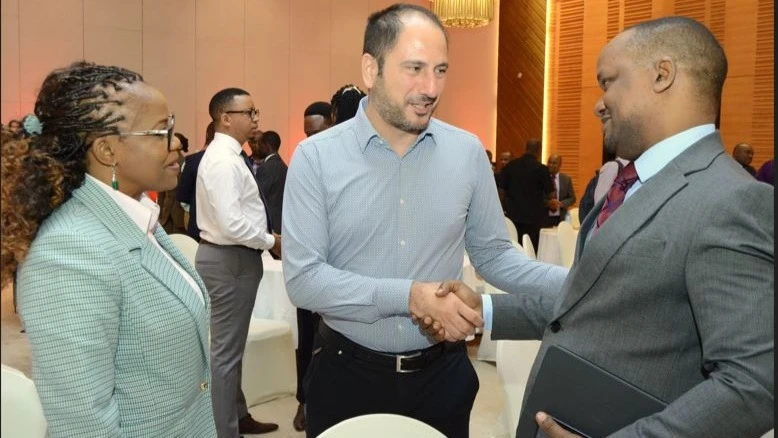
(448, 311)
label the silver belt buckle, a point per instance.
(399, 361)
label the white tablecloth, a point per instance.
(272, 301)
(548, 246)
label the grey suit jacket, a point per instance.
(674, 294)
(566, 194)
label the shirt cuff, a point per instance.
(486, 303)
(391, 297)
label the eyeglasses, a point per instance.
(167, 132)
(253, 113)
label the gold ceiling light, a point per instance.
(464, 13)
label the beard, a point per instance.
(394, 114)
(625, 140)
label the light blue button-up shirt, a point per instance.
(360, 223)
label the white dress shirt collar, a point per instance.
(144, 213)
(228, 141)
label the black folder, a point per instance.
(583, 397)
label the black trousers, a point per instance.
(533, 230)
(338, 387)
(307, 322)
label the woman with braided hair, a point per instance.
(345, 103)
(116, 317)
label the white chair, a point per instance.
(529, 248)
(574, 220)
(514, 362)
(22, 413)
(186, 245)
(512, 230)
(566, 237)
(381, 426)
(268, 361)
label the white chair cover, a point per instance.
(512, 230)
(381, 426)
(22, 413)
(514, 362)
(529, 248)
(575, 221)
(186, 245)
(566, 237)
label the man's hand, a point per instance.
(456, 319)
(276, 249)
(466, 295)
(551, 428)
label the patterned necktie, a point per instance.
(250, 163)
(624, 180)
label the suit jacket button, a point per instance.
(555, 326)
(203, 386)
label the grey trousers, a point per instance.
(232, 275)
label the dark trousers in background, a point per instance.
(338, 387)
(232, 275)
(307, 322)
(533, 230)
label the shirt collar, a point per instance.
(268, 157)
(228, 141)
(144, 213)
(655, 158)
(365, 131)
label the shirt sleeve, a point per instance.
(311, 282)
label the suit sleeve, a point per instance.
(70, 303)
(186, 185)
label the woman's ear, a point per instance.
(103, 152)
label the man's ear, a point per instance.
(664, 74)
(369, 70)
(103, 151)
(225, 119)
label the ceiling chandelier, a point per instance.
(464, 13)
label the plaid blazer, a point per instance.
(119, 338)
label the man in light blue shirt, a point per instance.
(378, 211)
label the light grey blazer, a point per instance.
(119, 338)
(674, 294)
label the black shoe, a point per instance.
(250, 426)
(299, 418)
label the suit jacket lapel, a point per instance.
(130, 235)
(592, 260)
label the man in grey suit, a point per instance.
(564, 194)
(673, 291)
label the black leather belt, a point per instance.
(407, 362)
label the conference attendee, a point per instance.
(171, 213)
(271, 176)
(185, 192)
(314, 121)
(527, 190)
(491, 160)
(766, 172)
(116, 316)
(378, 210)
(345, 103)
(505, 158)
(743, 153)
(673, 290)
(563, 196)
(15, 125)
(233, 226)
(317, 118)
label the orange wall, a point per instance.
(286, 53)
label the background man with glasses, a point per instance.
(233, 227)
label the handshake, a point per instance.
(446, 311)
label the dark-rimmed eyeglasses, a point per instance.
(253, 113)
(167, 132)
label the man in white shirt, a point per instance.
(234, 228)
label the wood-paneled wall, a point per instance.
(520, 74)
(578, 31)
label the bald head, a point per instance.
(554, 164)
(743, 153)
(533, 147)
